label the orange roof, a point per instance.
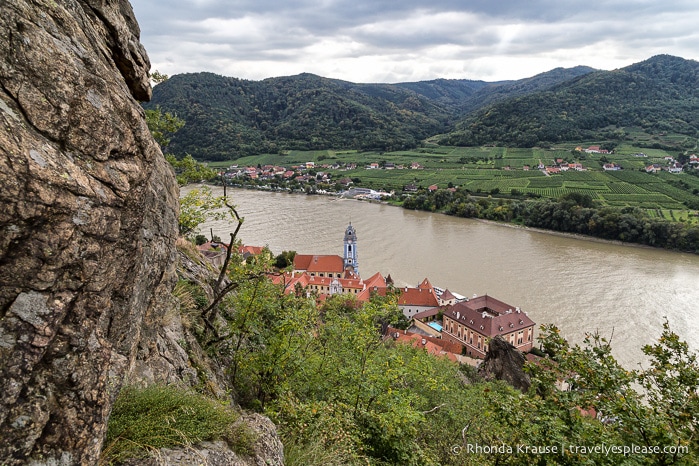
(367, 292)
(376, 280)
(250, 250)
(317, 264)
(421, 341)
(417, 297)
(425, 284)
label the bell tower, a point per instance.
(350, 256)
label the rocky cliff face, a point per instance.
(504, 362)
(87, 223)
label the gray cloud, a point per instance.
(387, 41)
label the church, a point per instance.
(332, 266)
(326, 275)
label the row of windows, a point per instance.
(327, 289)
(328, 274)
(465, 334)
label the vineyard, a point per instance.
(501, 171)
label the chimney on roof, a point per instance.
(424, 342)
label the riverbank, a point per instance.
(564, 234)
(510, 224)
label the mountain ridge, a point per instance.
(227, 118)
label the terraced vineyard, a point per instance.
(514, 171)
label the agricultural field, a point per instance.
(513, 171)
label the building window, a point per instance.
(520, 337)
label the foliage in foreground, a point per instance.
(144, 420)
(342, 395)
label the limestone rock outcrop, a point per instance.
(88, 222)
(505, 362)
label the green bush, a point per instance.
(146, 419)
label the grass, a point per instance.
(144, 420)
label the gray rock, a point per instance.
(82, 180)
(505, 362)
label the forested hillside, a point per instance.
(654, 103)
(650, 103)
(227, 117)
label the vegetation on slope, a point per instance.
(571, 213)
(227, 118)
(144, 420)
(341, 394)
(654, 98)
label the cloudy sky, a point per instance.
(411, 40)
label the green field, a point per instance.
(501, 170)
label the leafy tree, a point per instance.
(198, 206)
(188, 170)
(285, 259)
(162, 125)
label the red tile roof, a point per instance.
(376, 280)
(432, 345)
(447, 295)
(427, 313)
(417, 297)
(425, 284)
(317, 264)
(251, 250)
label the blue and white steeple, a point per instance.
(350, 256)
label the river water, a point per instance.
(581, 286)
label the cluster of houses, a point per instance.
(560, 165)
(301, 173)
(593, 150)
(442, 322)
(306, 172)
(673, 166)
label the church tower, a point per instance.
(350, 256)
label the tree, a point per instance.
(157, 77)
(162, 125)
(285, 259)
(189, 170)
(198, 206)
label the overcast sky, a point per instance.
(411, 40)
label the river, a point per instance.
(624, 292)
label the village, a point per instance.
(388, 180)
(444, 323)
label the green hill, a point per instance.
(227, 118)
(654, 103)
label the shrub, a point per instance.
(146, 419)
